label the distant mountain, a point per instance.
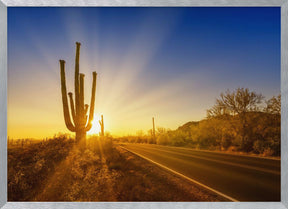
(187, 126)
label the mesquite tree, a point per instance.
(81, 122)
(239, 102)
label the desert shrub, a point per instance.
(29, 166)
(178, 138)
(163, 139)
(226, 142)
(259, 146)
(268, 151)
(232, 149)
(81, 161)
(267, 148)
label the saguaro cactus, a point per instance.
(81, 122)
(101, 122)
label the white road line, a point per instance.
(220, 161)
(220, 152)
(183, 176)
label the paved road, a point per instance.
(243, 178)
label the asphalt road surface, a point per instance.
(242, 178)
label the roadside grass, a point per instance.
(28, 166)
(139, 180)
(59, 171)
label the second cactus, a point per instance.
(101, 122)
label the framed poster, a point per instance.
(183, 104)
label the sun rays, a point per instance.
(117, 93)
(148, 64)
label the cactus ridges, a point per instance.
(86, 108)
(82, 121)
(72, 106)
(67, 118)
(91, 114)
(76, 81)
(78, 109)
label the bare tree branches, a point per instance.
(238, 102)
(274, 105)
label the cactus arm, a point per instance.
(81, 94)
(85, 112)
(76, 83)
(67, 118)
(86, 109)
(72, 106)
(91, 114)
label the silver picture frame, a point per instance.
(283, 4)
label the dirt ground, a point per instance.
(105, 172)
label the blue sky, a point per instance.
(170, 63)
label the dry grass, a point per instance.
(28, 166)
(102, 172)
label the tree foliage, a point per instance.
(238, 103)
(274, 105)
(239, 120)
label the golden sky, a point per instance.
(167, 63)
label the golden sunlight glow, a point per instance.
(123, 96)
(95, 125)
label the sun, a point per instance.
(95, 125)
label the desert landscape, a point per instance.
(164, 104)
